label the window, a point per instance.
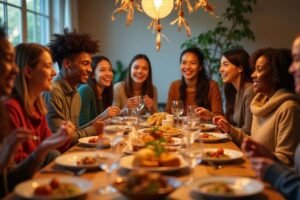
(26, 20)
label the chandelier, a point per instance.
(159, 9)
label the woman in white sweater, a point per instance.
(275, 108)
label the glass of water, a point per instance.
(177, 109)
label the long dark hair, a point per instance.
(202, 85)
(147, 88)
(107, 94)
(239, 58)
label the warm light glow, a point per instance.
(157, 9)
(157, 4)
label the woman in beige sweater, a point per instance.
(275, 108)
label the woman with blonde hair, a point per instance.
(26, 107)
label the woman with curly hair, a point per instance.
(137, 83)
(195, 88)
(97, 94)
(275, 106)
(235, 72)
(73, 53)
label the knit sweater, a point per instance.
(242, 116)
(88, 110)
(37, 125)
(120, 97)
(214, 97)
(275, 124)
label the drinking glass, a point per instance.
(193, 156)
(114, 132)
(130, 117)
(109, 162)
(177, 109)
(141, 104)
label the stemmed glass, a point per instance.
(130, 116)
(191, 155)
(177, 109)
(109, 161)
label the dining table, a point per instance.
(98, 177)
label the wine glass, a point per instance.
(130, 116)
(177, 109)
(114, 132)
(193, 156)
(109, 162)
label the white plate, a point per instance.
(218, 137)
(85, 141)
(242, 186)
(141, 131)
(26, 189)
(70, 159)
(233, 154)
(127, 163)
(207, 127)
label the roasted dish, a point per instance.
(87, 160)
(141, 182)
(147, 157)
(156, 118)
(219, 153)
(217, 188)
(99, 139)
(207, 136)
(56, 188)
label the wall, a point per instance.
(273, 22)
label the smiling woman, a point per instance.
(138, 83)
(195, 88)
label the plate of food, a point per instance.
(148, 160)
(161, 130)
(62, 187)
(95, 141)
(87, 159)
(156, 118)
(220, 155)
(144, 185)
(207, 127)
(213, 137)
(227, 187)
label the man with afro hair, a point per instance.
(73, 53)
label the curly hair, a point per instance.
(279, 61)
(69, 44)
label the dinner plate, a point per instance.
(127, 163)
(233, 155)
(26, 189)
(177, 131)
(173, 149)
(241, 186)
(70, 159)
(213, 137)
(85, 141)
(207, 127)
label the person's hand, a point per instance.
(222, 124)
(62, 137)
(148, 102)
(260, 165)
(203, 113)
(98, 125)
(132, 102)
(10, 144)
(254, 149)
(110, 112)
